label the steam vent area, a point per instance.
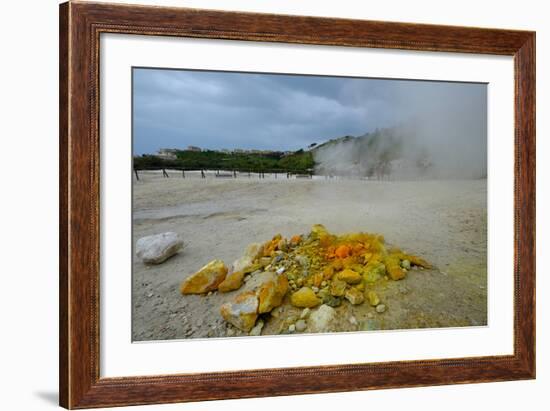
(273, 255)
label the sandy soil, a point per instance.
(442, 221)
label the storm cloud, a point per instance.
(226, 110)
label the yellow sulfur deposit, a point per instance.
(208, 278)
(312, 269)
(271, 294)
(349, 276)
(233, 281)
(305, 297)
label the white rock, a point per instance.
(155, 249)
(291, 328)
(305, 313)
(321, 320)
(380, 308)
(301, 325)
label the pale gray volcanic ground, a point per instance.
(442, 221)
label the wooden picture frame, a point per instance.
(80, 27)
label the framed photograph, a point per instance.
(260, 205)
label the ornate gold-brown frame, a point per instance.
(80, 27)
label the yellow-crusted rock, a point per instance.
(241, 312)
(373, 298)
(338, 288)
(233, 281)
(418, 261)
(208, 278)
(393, 268)
(328, 272)
(349, 276)
(374, 271)
(354, 296)
(271, 294)
(305, 297)
(317, 279)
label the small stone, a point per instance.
(373, 298)
(208, 278)
(354, 296)
(257, 329)
(406, 264)
(370, 315)
(301, 325)
(291, 319)
(230, 332)
(280, 270)
(302, 260)
(315, 289)
(275, 313)
(353, 320)
(380, 308)
(338, 288)
(149, 295)
(291, 328)
(209, 293)
(305, 297)
(349, 276)
(331, 300)
(323, 284)
(317, 279)
(155, 249)
(305, 313)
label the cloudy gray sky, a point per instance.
(215, 110)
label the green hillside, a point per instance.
(298, 162)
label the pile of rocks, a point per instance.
(314, 270)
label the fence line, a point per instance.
(220, 173)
